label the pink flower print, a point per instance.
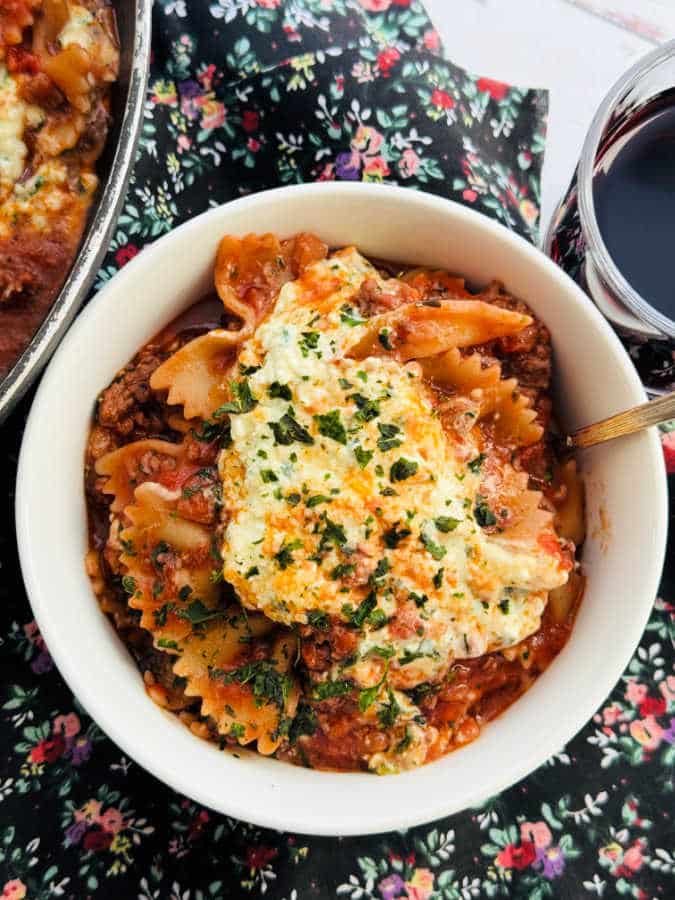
(14, 890)
(269, 4)
(409, 163)
(253, 145)
(367, 140)
(647, 732)
(112, 820)
(183, 143)
(537, 832)
(611, 714)
(431, 39)
(68, 726)
(213, 114)
(469, 195)
(421, 885)
(667, 688)
(633, 857)
(635, 692)
(375, 5)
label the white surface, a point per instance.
(575, 48)
(623, 563)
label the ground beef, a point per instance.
(129, 407)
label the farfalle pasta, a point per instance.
(334, 528)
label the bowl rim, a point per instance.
(436, 805)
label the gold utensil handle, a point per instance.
(635, 419)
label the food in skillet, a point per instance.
(329, 521)
(58, 60)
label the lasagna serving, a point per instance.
(57, 62)
(326, 513)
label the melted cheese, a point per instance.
(348, 498)
(13, 152)
(78, 28)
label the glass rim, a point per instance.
(597, 249)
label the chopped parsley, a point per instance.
(344, 384)
(166, 644)
(350, 316)
(367, 409)
(323, 690)
(385, 339)
(288, 429)
(330, 426)
(435, 549)
(482, 513)
(333, 533)
(268, 475)
(388, 712)
(402, 469)
(237, 730)
(394, 535)
(197, 613)
(311, 502)
(309, 341)
(475, 464)
(357, 617)
(317, 618)
(363, 457)
(418, 599)
(243, 400)
(266, 681)
(293, 498)
(304, 722)
(254, 570)
(284, 557)
(389, 437)
(437, 580)
(129, 584)
(279, 391)
(446, 524)
(342, 570)
(504, 605)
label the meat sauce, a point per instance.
(45, 202)
(474, 692)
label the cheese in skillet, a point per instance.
(347, 499)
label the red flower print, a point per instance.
(250, 120)
(513, 857)
(253, 145)
(440, 98)
(469, 195)
(653, 706)
(386, 59)
(97, 840)
(668, 443)
(259, 857)
(48, 751)
(126, 253)
(496, 89)
(401, 2)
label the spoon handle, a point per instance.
(635, 419)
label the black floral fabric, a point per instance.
(246, 95)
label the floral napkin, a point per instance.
(246, 95)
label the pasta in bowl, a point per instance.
(621, 565)
(334, 527)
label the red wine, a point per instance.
(634, 193)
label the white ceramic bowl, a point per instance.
(622, 557)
